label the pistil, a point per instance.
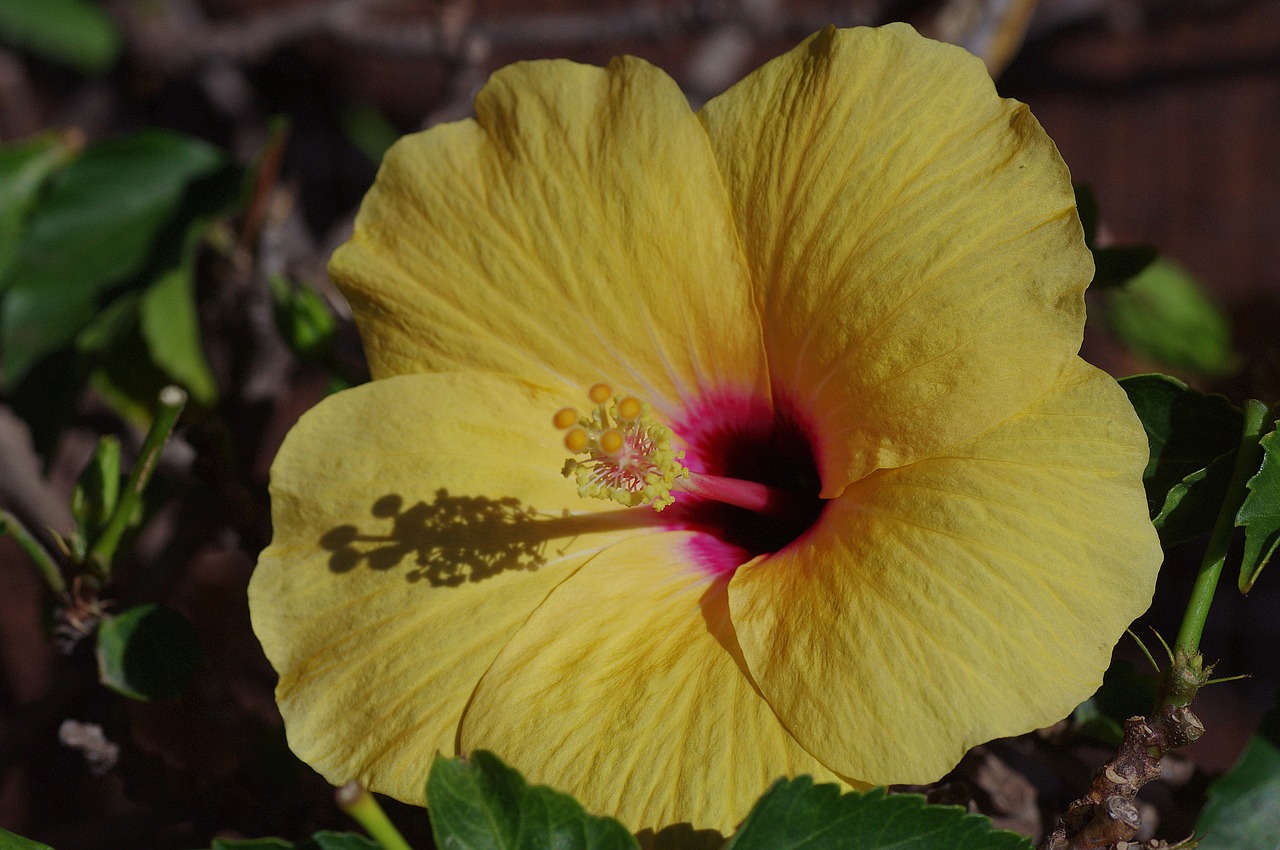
(753, 496)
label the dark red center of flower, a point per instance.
(749, 440)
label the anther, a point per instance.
(612, 441)
(576, 440)
(566, 417)
(599, 393)
(629, 408)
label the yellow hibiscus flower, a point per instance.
(856, 278)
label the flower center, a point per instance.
(628, 454)
(750, 482)
(746, 439)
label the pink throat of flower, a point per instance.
(754, 483)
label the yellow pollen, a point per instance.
(612, 441)
(628, 454)
(576, 440)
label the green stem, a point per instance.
(172, 400)
(11, 525)
(1215, 554)
(354, 799)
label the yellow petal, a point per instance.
(626, 688)
(961, 598)
(576, 231)
(914, 237)
(418, 521)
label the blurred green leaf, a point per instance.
(144, 340)
(1260, 513)
(1087, 208)
(339, 841)
(122, 370)
(303, 319)
(481, 804)
(71, 32)
(96, 493)
(1243, 808)
(1115, 265)
(25, 168)
(796, 814)
(110, 326)
(10, 841)
(368, 129)
(171, 327)
(319, 841)
(148, 652)
(1166, 314)
(93, 229)
(1192, 437)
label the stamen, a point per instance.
(576, 440)
(611, 442)
(629, 458)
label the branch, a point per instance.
(181, 40)
(1106, 818)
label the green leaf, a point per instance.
(1087, 208)
(368, 129)
(25, 167)
(1115, 265)
(71, 32)
(148, 652)
(1193, 439)
(122, 370)
(96, 492)
(795, 813)
(339, 841)
(171, 327)
(1166, 314)
(481, 804)
(10, 841)
(320, 841)
(1192, 505)
(303, 319)
(1243, 808)
(1260, 514)
(95, 227)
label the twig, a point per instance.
(182, 44)
(1107, 817)
(10, 525)
(169, 407)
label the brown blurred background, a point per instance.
(1169, 110)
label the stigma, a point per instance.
(621, 452)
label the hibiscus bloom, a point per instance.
(851, 287)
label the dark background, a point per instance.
(1169, 110)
